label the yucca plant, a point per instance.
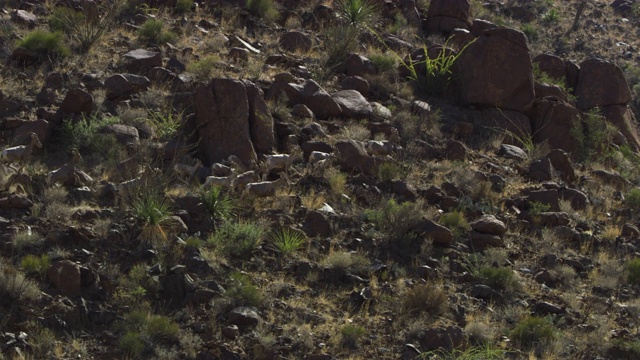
(152, 211)
(288, 240)
(358, 13)
(219, 206)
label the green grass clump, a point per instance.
(242, 290)
(456, 222)
(183, 6)
(486, 352)
(388, 171)
(498, 277)
(264, 9)
(551, 17)
(153, 31)
(384, 63)
(352, 333)
(166, 124)
(45, 44)
(204, 67)
(425, 298)
(36, 265)
(632, 268)
(534, 330)
(633, 198)
(132, 344)
(288, 240)
(394, 218)
(238, 238)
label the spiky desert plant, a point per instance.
(358, 13)
(288, 240)
(218, 204)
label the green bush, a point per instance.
(36, 265)
(288, 240)
(238, 238)
(84, 30)
(383, 62)
(161, 327)
(632, 268)
(425, 298)
(85, 134)
(204, 67)
(45, 44)
(352, 333)
(456, 222)
(594, 136)
(533, 330)
(243, 291)
(166, 123)
(388, 171)
(633, 198)
(153, 31)
(183, 6)
(531, 31)
(393, 218)
(501, 278)
(131, 343)
(552, 17)
(264, 9)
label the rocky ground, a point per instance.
(391, 179)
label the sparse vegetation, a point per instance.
(153, 264)
(45, 45)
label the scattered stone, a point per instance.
(244, 317)
(77, 101)
(295, 41)
(141, 60)
(512, 152)
(352, 104)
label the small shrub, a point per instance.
(350, 262)
(425, 298)
(204, 67)
(533, 330)
(159, 327)
(238, 238)
(26, 238)
(243, 291)
(288, 240)
(536, 208)
(456, 222)
(632, 268)
(501, 278)
(337, 181)
(36, 265)
(531, 31)
(84, 30)
(45, 44)
(352, 333)
(153, 31)
(194, 242)
(264, 9)
(383, 62)
(594, 136)
(395, 219)
(183, 6)
(219, 205)
(14, 286)
(387, 171)
(486, 352)
(339, 42)
(131, 343)
(85, 134)
(633, 198)
(551, 17)
(166, 124)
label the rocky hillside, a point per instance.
(346, 179)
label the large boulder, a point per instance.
(496, 70)
(353, 156)
(296, 41)
(551, 65)
(310, 94)
(353, 104)
(77, 101)
(260, 120)
(623, 119)
(140, 60)
(222, 115)
(66, 276)
(552, 121)
(120, 86)
(601, 83)
(446, 15)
